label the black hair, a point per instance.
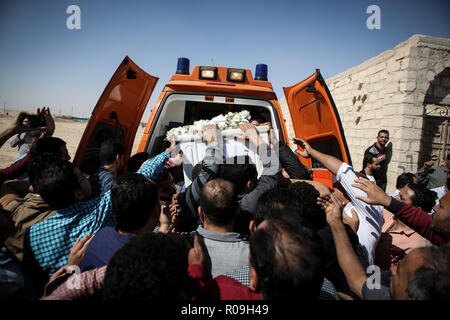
(432, 280)
(404, 179)
(239, 170)
(165, 184)
(274, 200)
(136, 161)
(152, 266)
(383, 131)
(133, 199)
(259, 117)
(285, 201)
(109, 149)
(448, 156)
(163, 176)
(54, 180)
(310, 211)
(286, 256)
(218, 200)
(368, 159)
(47, 145)
(423, 198)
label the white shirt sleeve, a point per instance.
(370, 217)
(346, 176)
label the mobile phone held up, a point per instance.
(36, 120)
(299, 142)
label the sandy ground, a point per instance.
(69, 131)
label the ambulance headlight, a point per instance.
(209, 73)
(236, 75)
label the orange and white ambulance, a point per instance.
(206, 92)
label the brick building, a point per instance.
(405, 90)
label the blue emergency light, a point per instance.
(183, 66)
(261, 72)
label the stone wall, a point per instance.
(388, 92)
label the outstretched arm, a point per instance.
(210, 168)
(291, 163)
(271, 173)
(79, 286)
(154, 166)
(347, 258)
(413, 217)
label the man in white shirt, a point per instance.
(370, 216)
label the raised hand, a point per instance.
(171, 147)
(49, 121)
(209, 133)
(196, 254)
(352, 222)
(333, 209)
(306, 153)
(78, 249)
(250, 133)
(375, 195)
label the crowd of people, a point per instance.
(135, 231)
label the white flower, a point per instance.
(244, 114)
(230, 121)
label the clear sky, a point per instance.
(42, 62)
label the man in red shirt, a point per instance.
(435, 228)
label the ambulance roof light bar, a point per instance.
(183, 66)
(261, 72)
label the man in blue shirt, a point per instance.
(135, 203)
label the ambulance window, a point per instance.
(329, 146)
(196, 110)
(185, 109)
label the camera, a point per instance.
(36, 120)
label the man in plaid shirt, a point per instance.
(48, 243)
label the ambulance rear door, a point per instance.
(117, 114)
(316, 119)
